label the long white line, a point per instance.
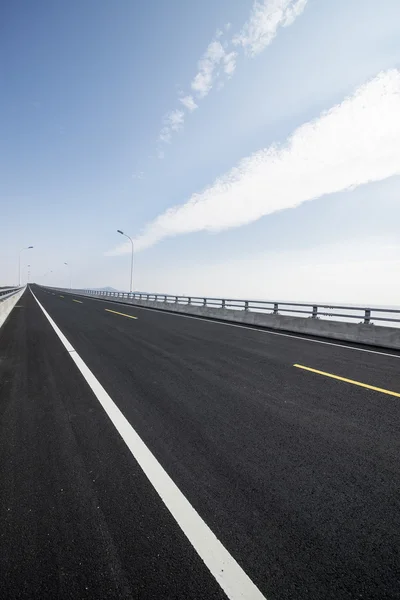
(228, 573)
(244, 326)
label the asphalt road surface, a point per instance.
(296, 473)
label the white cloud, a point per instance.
(265, 19)
(354, 143)
(230, 63)
(214, 56)
(257, 33)
(189, 103)
(203, 81)
(293, 12)
(173, 121)
(165, 135)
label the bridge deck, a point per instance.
(296, 473)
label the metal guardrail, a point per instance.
(6, 292)
(313, 310)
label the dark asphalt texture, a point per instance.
(298, 475)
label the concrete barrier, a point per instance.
(8, 304)
(370, 335)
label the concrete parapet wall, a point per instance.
(385, 337)
(8, 304)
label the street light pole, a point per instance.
(70, 275)
(131, 240)
(19, 263)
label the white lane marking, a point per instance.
(244, 326)
(228, 573)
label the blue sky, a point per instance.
(112, 114)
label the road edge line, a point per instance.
(236, 584)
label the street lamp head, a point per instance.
(66, 264)
(29, 247)
(121, 232)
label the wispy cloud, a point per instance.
(354, 143)
(203, 80)
(189, 103)
(265, 19)
(230, 63)
(173, 121)
(218, 63)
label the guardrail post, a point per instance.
(204, 301)
(165, 297)
(246, 305)
(176, 299)
(189, 300)
(367, 316)
(223, 303)
(314, 312)
(276, 307)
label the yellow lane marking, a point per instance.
(73, 300)
(118, 313)
(363, 385)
